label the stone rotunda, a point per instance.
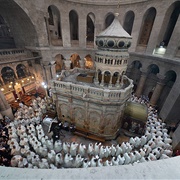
(94, 101)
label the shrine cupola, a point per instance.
(112, 55)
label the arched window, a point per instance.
(21, 71)
(59, 63)
(88, 62)
(128, 21)
(90, 27)
(74, 30)
(107, 76)
(8, 75)
(147, 25)
(54, 22)
(109, 19)
(171, 24)
(75, 60)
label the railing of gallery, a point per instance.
(12, 54)
(7, 52)
(91, 92)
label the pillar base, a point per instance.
(102, 84)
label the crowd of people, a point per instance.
(24, 143)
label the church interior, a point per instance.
(89, 85)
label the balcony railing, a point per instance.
(90, 92)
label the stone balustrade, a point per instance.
(10, 55)
(91, 92)
(7, 52)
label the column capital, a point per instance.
(161, 79)
(143, 71)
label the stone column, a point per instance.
(67, 64)
(53, 71)
(102, 80)
(82, 65)
(153, 40)
(110, 82)
(135, 31)
(140, 86)
(65, 29)
(157, 91)
(96, 81)
(47, 72)
(82, 31)
(117, 82)
(174, 41)
(48, 30)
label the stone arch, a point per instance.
(74, 25)
(89, 64)
(79, 115)
(54, 25)
(21, 71)
(94, 121)
(152, 71)
(129, 21)
(115, 77)
(146, 26)
(8, 75)
(109, 19)
(75, 58)
(90, 27)
(19, 26)
(153, 68)
(59, 59)
(169, 23)
(107, 76)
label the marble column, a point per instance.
(157, 92)
(141, 83)
(82, 63)
(65, 29)
(102, 80)
(53, 71)
(47, 72)
(16, 76)
(110, 82)
(117, 82)
(82, 31)
(48, 30)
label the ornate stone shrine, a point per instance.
(96, 108)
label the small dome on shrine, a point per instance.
(114, 36)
